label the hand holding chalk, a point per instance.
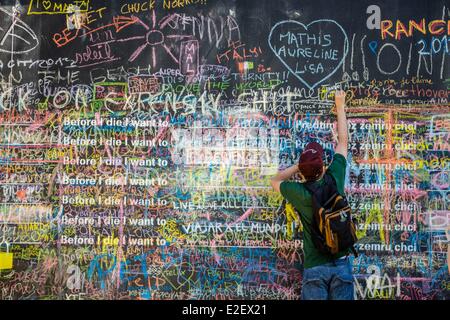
(339, 98)
(339, 101)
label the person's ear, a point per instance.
(302, 178)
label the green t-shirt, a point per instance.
(300, 198)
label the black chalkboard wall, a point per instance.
(138, 139)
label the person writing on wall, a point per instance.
(325, 276)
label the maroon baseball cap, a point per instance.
(311, 162)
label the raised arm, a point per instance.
(342, 128)
(282, 176)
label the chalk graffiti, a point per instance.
(138, 139)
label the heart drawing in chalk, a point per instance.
(47, 4)
(184, 274)
(312, 53)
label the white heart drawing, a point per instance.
(304, 81)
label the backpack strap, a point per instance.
(312, 187)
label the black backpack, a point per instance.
(333, 228)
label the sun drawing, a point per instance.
(155, 38)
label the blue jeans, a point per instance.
(330, 281)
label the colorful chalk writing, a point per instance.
(138, 139)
